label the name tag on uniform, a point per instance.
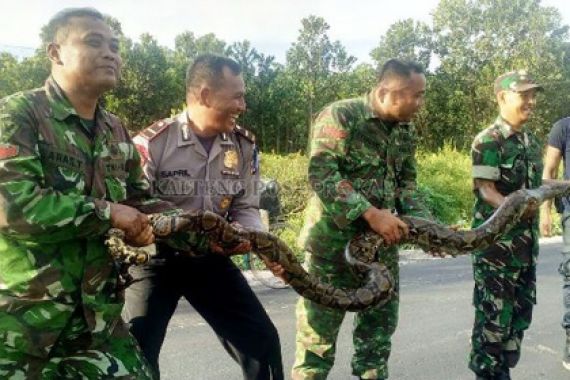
(61, 158)
(174, 173)
(230, 172)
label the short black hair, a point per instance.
(397, 68)
(61, 20)
(209, 68)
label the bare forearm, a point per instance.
(489, 193)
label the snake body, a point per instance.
(434, 237)
(377, 284)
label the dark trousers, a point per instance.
(216, 288)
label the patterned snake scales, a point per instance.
(377, 284)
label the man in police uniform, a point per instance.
(65, 163)
(201, 159)
(507, 157)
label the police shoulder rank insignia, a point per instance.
(245, 133)
(8, 151)
(155, 129)
(231, 159)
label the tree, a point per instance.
(314, 59)
(148, 89)
(478, 40)
(408, 40)
(22, 75)
(186, 48)
(271, 97)
(8, 64)
(247, 57)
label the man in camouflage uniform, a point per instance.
(363, 170)
(65, 165)
(201, 159)
(506, 157)
(558, 150)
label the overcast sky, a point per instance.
(270, 25)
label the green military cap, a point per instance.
(518, 81)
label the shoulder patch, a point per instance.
(155, 129)
(142, 147)
(8, 151)
(245, 133)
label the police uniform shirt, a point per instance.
(180, 170)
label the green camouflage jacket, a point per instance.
(357, 160)
(513, 160)
(56, 176)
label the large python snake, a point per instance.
(377, 284)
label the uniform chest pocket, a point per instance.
(230, 165)
(116, 173)
(364, 164)
(64, 169)
(514, 172)
(228, 179)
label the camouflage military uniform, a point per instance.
(59, 311)
(505, 274)
(357, 161)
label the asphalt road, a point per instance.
(432, 341)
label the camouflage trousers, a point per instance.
(564, 270)
(74, 357)
(318, 326)
(504, 296)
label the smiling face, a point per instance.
(226, 102)
(401, 97)
(86, 56)
(517, 107)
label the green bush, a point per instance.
(445, 185)
(291, 172)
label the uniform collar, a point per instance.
(61, 108)
(368, 107)
(186, 136)
(369, 112)
(506, 129)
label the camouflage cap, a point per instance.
(518, 81)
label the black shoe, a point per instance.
(505, 375)
(499, 376)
